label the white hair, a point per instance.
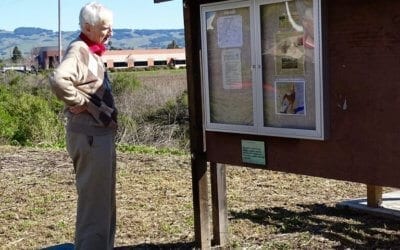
(94, 13)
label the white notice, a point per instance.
(232, 69)
(230, 32)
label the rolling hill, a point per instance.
(27, 38)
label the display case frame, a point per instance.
(310, 124)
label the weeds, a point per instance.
(155, 114)
(152, 110)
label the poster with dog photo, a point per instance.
(290, 98)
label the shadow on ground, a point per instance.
(183, 246)
(353, 229)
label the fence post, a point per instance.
(219, 205)
(374, 196)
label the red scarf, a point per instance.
(97, 48)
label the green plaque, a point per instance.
(253, 152)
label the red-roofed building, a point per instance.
(138, 58)
(144, 58)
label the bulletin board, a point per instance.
(347, 130)
(262, 70)
(342, 123)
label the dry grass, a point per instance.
(267, 210)
(157, 88)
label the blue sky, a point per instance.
(130, 14)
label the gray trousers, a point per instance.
(94, 160)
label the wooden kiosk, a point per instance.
(302, 86)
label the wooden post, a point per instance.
(374, 196)
(199, 160)
(200, 204)
(219, 206)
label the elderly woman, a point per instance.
(81, 82)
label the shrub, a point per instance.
(8, 124)
(173, 112)
(123, 82)
(170, 123)
(27, 117)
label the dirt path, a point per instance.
(266, 209)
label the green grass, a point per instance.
(150, 150)
(159, 72)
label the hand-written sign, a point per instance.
(253, 152)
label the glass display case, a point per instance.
(262, 68)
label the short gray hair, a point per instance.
(94, 13)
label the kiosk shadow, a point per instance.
(353, 229)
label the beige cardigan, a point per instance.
(81, 80)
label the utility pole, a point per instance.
(59, 33)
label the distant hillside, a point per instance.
(27, 38)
